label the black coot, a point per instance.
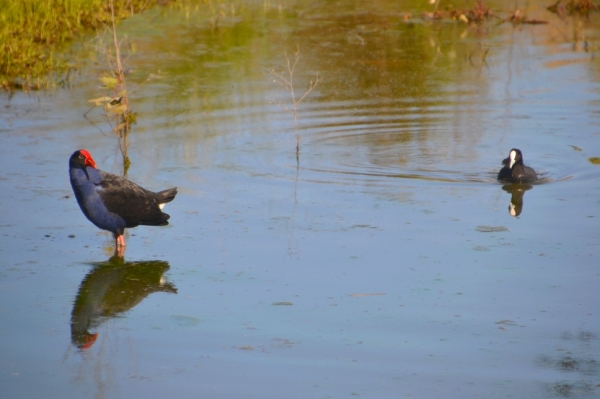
(514, 171)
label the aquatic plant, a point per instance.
(479, 13)
(117, 105)
(562, 7)
(286, 79)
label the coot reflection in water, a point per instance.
(515, 207)
(112, 288)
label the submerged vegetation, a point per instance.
(32, 31)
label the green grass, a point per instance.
(31, 31)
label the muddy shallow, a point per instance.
(386, 264)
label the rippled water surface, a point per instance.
(386, 261)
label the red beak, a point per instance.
(89, 161)
(89, 341)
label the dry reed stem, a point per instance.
(287, 81)
(123, 133)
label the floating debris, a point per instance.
(282, 304)
(491, 229)
(506, 322)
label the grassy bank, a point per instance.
(31, 31)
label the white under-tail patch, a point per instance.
(161, 206)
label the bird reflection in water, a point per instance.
(515, 207)
(110, 289)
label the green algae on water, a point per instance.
(594, 160)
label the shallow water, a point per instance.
(384, 264)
